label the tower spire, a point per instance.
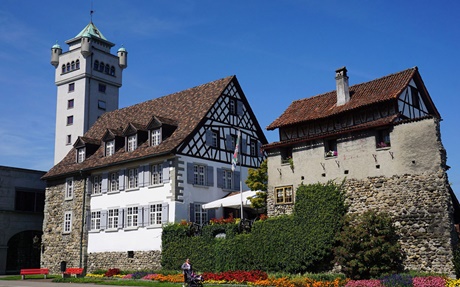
(91, 12)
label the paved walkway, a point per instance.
(42, 283)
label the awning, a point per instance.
(233, 201)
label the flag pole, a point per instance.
(241, 181)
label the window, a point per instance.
(107, 68)
(253, 148)
(96, 65)
(201, 215)
(68, 67)
(112, 218)
(97, 184)
(227, 179)
(69, 188)
(81, 154)
(67, 221)
(214, 139)
(95, 220)
(383, 139)
(284, 194)
(132, 216)
(232, 106)
(112, 71)
(30, 200)
(132, 142)
(102, 88)
(132, 178)
(156, 137)
(77, 64)
(156, 172)
(101, 105)
(155, 214)
(71, 87)
(110, 148)
(330, 148)
(72, 65)
(199, 172)
(63, 69)
(68, 139)
(70, 120)
(70, 104)
(101, 67)
(286, 154)
(114, 181)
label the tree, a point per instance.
(257, 180)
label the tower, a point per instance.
(88, 78)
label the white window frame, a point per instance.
(155, 212)
(201, 215)
(227, 179)
(133, 178)
(132, 142)
(95, 220)
(69, 186)
(81, 154)
(132, 216)
(97, 184)
(114, 178)
(156, 137)
(156, 174)
(67, 228)
(199, 174)
(110, 148)
(112, 218)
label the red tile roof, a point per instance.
(324, 105)
(186, 108)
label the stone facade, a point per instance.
(137, 260)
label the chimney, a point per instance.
(341, 80)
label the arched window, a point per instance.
(101, 67)
(96, 65)
(72, 65)
(112, 71)
(68, 67)
(107, 68)
(77, 64)
(63, 69)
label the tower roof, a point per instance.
(91, 31)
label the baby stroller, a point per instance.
(194, 280)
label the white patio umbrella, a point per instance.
(233, 201)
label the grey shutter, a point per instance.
(105, 180)
(166, 171)
(236, 180)
(239, 108)
(211, 213)
(164, 213)
(244, 145)
(89, 186)
(121, 218)
(192, 212)
(228, 142)
(209, 176)
(209, 137)
(190, 177)
(88, 220)
(140, 176)
(140, 219)
(103, 219)
(146, 175)
(258, 152)
(121, 180)
(220, 178)
(146, 215)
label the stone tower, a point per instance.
(88, 78)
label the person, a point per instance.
(187, 269)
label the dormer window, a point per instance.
(81, 154)
(156, 137)
(132, 142)
(110, 148)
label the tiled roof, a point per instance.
(323, 106)
(186, 108)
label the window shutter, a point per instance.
(146, 214)
(103, 219)
(239, 107)
(88, 220)
(164, 213)
(105, 180)
(211, 213)
(147, 175)
(209, 137)
(220, 178)
(121, 218)
(190, 178)
(209, 176)
(89, 186)
(140, 176)
(192, 212)
(259, 145)
(236, 180)
(122, 180)
(166, 171)
(244, 145)
(228, 142)
(140, 218)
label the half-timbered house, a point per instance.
(140, 167)
(383, 138)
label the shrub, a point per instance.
(111, 272)
(368, 246)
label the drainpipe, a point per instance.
(83, 216)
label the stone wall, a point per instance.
(141, 260)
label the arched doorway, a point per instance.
(23, 251)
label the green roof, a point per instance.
(91, 31)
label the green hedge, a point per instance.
(297, 243)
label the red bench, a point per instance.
(34, 271)
(73, 271)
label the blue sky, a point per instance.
(280, 51)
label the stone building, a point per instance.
(22, 199)
(383, 137)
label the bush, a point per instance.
(368, 246)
